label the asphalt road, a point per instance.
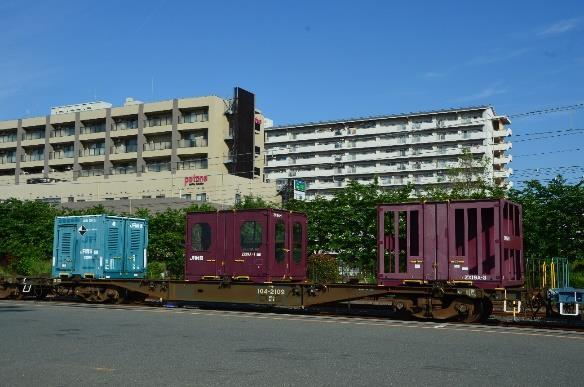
(59, 344)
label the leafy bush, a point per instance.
(40, 268)
(577, 274)
(32, 266)
(156, 270)
(323, 268)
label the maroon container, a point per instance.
(475, 242)
(257, 245)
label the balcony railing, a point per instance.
(34, 136)
(195, 116)
(124, 149)
(92, 152)
(193, 164)
(91, 172)
(63, 132)
(154, 146)
(33, 157)
(159, 121)
(123, 170)
(8, 138)
(8, 160)
(99, 128)
(125, 125)
(193, 143)
(61, 155)
(158, 167)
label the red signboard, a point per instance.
(195, 180)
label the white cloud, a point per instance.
(560, 27)
(492, 90)
(433, 75)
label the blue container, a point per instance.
(100, 246)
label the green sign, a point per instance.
(299, 185)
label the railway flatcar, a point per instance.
(441, 260)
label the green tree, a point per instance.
(252, 202)
(467, 180)
(166, 236)
(26, 235)
(553, 218)
(346, 224)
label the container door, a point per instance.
(401, 242)
(203, 256)
(251, 251)
(114, 256)
(135, 257)
(88, 234)
(65, 254)
(511, 244)
(474, 245)
(298, 240)
(280, 249)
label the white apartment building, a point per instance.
(417, 148)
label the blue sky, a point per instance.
(310, 60)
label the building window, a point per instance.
(123, 124)
(201, 237)
(201, 197)
(159, 120)
(199, 115)
(34, 134)
(70, 199)
(96, 127)
(250, 235)
(62, 131)
(186, 196)
(8, 137)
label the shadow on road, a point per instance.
(13, 308)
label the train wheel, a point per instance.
(469, 310)
(5, 293)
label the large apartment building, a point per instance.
(417, 148)
(203, 149)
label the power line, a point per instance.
(555, 109)
(548, 132)
(550, 152)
